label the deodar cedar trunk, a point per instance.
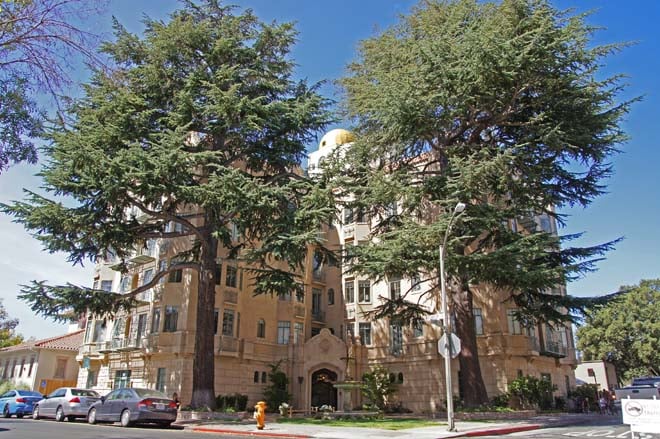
(471, 381)
(203, 390)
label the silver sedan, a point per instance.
(65, 403)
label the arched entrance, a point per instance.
(323, 392)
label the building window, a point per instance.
(13, 369)
(124, 286)
(364, 291)
(399, 378)
(99, 331)
(20, 370)
(6, 370)
(147, 276)
(228, 322)
(396, 339)
(175, 276)
(350, 334)
(162, 266)
(365, 333)
(106, 285)
(232, 276)
(478, 321)
(60, 368)
(418, 329)
(171, 317)
(317, 295)
(514, 324)
(361, 216)
(256, 376)
(298, 332)
(122, 379)
(155, 321)
(415, 282)
(92, 378)
(216, 317)
(349, 291)
(261, 328)
(395, 288)
(217, 274)
(263, 377)
(331, 296)
(31, 367)
(160, 379)
(283, 332)
(348, 216)
(300, 293)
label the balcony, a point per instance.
(144, 255)
(122, 344)
(230, 297)
(318, 276)
(318, 315)
(299, 311)
(91, 349)
(227, 343)
(553, 349)
(534, 344)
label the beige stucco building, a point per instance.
(320, 333)
(42, 365)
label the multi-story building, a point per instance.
(153, 345)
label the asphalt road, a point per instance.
(604, 429)
(13, 428)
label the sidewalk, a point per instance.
(464, 428)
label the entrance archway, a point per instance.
(323, 392)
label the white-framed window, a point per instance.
(298, 332)
(396, 339)
(106, 285)
(125, 284)
(415, 282)
(349, 216)
(283, 332)
(155, 320)
(365, 333)
(364, 291)
(231, 279)
(147, 276)
(349, 291)
(478, 321)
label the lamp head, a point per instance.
(460, 207)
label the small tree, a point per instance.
(377, 387)
(276, 393)
(533, 391)
(8, 337)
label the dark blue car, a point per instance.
(19, 402)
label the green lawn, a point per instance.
(388, 424)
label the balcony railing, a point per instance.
(299, 311)
(90, 348)
(227, 343)
(231, 296)
(318, 275)
(318, 315)
(553, 349)
(534, 343)
(122, 344)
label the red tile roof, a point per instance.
(66, 342)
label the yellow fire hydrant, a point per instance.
(260, 414)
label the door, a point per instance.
(323, 391)
(48, 406)
(104, 409)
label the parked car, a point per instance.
(65, 403)
(18, 402)
(641, 388)
(134, 405)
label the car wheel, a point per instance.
(165, 424)
(125, 419)
(19, 415)
(59, 414)
(5, 412)
(91, 416)
(35, 413)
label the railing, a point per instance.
(231, 296)
(318, 315)
(123, 344)
(299, 311)
(318, 275)
(227, 343)
(553, 349)
(90, 348)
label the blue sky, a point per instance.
(329, 34)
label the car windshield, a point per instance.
(30, 393)
(651, 381)
(148, 393)
(85, 392)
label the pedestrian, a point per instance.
(585, 405)
(175, 398)
(602, 404)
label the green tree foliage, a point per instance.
(377, 387)
(38, 39)
(533, 391)
(276, 392)
(196, 132)
(8, 336)
(626, 332)
(498, 105)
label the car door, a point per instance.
(104, 409)
(123, 401)
(47, 406)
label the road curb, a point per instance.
(249, 433)
(501, 430)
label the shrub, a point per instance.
(533, 391)
(231, 403)
(276, 393)
(501, 400)
(377, 387)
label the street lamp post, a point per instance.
(460, 207)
